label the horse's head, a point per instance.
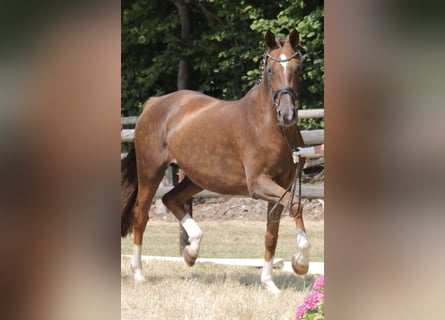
(281, 66)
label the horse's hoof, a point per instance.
(270, 286)
(298, 268)
(188, 258)
(139, 276)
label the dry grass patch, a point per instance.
(208, 291)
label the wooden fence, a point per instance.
(309, 136)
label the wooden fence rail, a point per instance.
(302, 114)
(308, 192)
(309, 136)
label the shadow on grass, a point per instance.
(251, 278)
(211, 273)
(293, 281)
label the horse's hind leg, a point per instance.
(146, 190)
(271, 238)
(175, 200)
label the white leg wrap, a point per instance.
(194, 233)
(303, 245)
(266, 277)
(302, 258)
(136, 264)
(302, 241)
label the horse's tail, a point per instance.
(129, 184)
(129, 191)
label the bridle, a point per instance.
(274, 94)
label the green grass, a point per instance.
(228, 239)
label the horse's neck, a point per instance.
(261, 108)
(263, 114)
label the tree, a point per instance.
(185, 37)
(219, 52)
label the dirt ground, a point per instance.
(236, 209)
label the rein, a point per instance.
(293, 185)
(297, 178)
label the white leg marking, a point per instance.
(303, 244)
(322, 203)
(283, 64)
(302, 241)
(194, 232)
(136, 264)
(266, 277)
(302, 258)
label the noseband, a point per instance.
(284, 90)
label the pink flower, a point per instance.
(318, 284)
(313, 300)
(300, 311)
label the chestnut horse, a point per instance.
(241, 147)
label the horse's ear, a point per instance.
(269, 40)
(294, 38)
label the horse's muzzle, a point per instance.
(286, 102)
(288, 117)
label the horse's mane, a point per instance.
(261, 69)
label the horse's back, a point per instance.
(163, 117)
(184, 108)
(185, 100)
(172, 107)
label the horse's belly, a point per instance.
(222, 184)
(224, 176)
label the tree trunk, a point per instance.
(185, 36)
(182, 84)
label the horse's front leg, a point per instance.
(266, 189)
(270, 241)
(300, 261)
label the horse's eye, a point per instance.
(269, 70)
